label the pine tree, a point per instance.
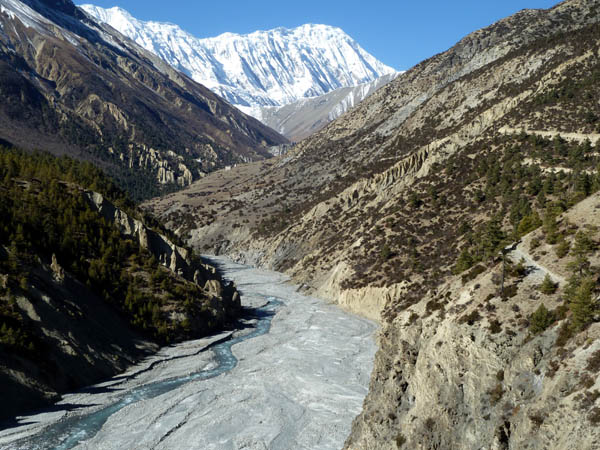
(464, 261)
(550, 227)
(548, 286)
(582, 304)
(562, 249)
(492, 238)
(541, 319)
(582, 247)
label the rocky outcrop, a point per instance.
(57, 270)
(170, 255)
(175, 258)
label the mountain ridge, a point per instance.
(304, 117)
(263, 68)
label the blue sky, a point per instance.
(400, 33)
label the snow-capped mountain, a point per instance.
(264, 68)
(306, 116)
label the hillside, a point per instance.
(71, 85)
(87, 292)
(399, 211)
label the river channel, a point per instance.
(292, 377)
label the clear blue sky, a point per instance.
(400, 33)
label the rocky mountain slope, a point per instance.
(400, 209)
(509, 367)
(86, 293)
(264, 68)
(304, 117)
(73, 86)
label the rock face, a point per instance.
(470, 373)
(175, 258)
(374, 210)
(74, 86)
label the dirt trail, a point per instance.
(577, 137)
(536, 270)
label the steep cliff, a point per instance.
(471, 364)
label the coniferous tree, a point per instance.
(581, 249)
(464, 262)
(541, 319)
(548, 286)
(493, 238)
(582, 305)
(562, 249)
(550, 226)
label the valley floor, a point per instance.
(298, 385)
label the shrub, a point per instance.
(473, 273)
(510, 291)
(495, 327)
(400, 440)
(562, 249)
(594, 416)
(564, 334)
(535, 243)
(385, 252)
(471, 318)
(594, 362)
(496, 393)
(520, 270)
(529, 223)
(537, 419)
(413, 318)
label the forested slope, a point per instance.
(82, 296)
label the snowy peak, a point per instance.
(264, 68)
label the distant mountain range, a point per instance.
(261, 69)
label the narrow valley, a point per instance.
(404, 259)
